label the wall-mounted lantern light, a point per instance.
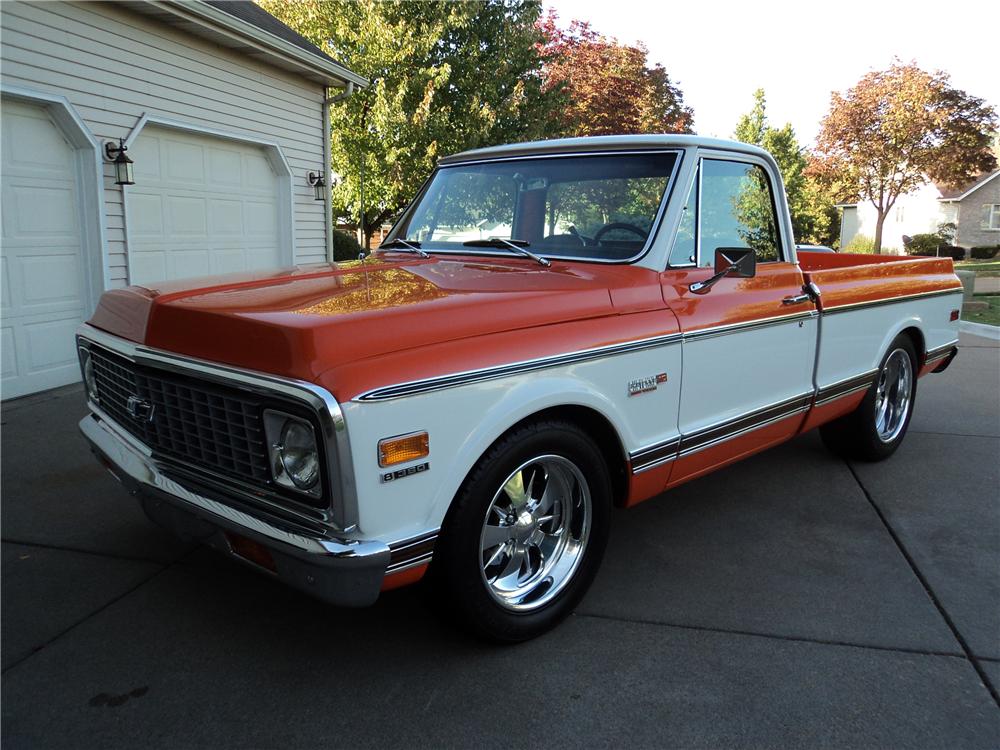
(123, 165)
(318, 183)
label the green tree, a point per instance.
(898, 128)
(814, 219)
(445, 77)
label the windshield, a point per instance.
(591, 207)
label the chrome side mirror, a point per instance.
(740, 262)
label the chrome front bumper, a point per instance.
(340, 571)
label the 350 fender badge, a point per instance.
(646, 384)
(409, 471)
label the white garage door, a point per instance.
(44, 290)
(201, 205)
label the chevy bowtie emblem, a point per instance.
(139, 409)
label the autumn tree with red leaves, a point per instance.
(609, 88)
(898, 128)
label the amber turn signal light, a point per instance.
(397, 450)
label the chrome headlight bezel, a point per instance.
(87, 372)
(277, 425)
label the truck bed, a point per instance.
(846, 279)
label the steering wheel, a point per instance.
(619, 225)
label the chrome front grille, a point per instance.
(184, 419)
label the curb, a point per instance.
(980, 329)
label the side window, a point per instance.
(737, 210)
(684, 249)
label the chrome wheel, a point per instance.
(893, 396)
(535, 532)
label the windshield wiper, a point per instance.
(518, 246)
(398, 244)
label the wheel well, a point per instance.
(605, 437)
(917, 339)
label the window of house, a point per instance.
(899, 214)
(737, 209)
(994, 217)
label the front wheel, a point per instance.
(875, 429)
(526, 533)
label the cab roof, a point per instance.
(600, 143)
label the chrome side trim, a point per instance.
(939, 352)
(713, 435)
(661, 453)
(723, 330)
(652, 456)
(557, 360)
(515, 368)
(412, 552)
(342, 513)
(880, 302)
(845, 387)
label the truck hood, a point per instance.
(304, 321)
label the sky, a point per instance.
(719, 52)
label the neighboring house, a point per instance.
(221, 108)
(974, 208)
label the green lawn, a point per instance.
(990, 317)
(981, 267)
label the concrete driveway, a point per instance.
(792, 600)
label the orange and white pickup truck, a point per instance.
(549, 330)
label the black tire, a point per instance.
(456, 574)
(856, 435)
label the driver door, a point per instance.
(749, 343)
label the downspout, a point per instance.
(327, 156)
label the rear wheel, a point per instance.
(526, 533)
(875, 429)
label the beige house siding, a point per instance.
(972, 216)
(115, 65)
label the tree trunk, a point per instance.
(877, 244)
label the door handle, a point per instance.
(798, 299)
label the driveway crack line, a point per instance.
(109, 555)
(38, 649)
(972, 658)
(774, 636)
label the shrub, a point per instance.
(948, 251)
(924, 244)
(984, 253)
(860, 244)
(345, 247)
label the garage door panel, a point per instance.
(185, 263)
(51, 344)
(225, 217)
(225, 168)
(51, 279)
(146, 155)
(186, 216)
(229, 260)
(8, 352)
(209, 206)
(262, 220)
(32, 210)
(185, 162)
(147, 265)
(145, 215)
(34, 145)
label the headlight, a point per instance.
(89, 381)
(295, 461)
